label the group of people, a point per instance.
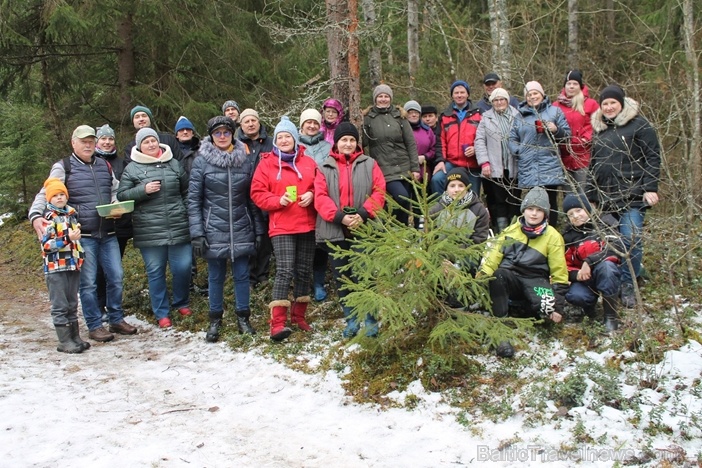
(238, 196)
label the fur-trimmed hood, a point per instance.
(372, 111)
(628, 113)
(138, 156)
(219, 158)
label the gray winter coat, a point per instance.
(159, 218)
(316, 147)
(388, 138)
(538, 158)
(219, 205)
(488, 143)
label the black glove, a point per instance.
(257, 243)
(199, 246)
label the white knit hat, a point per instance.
(310, 114)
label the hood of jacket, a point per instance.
(628, 113)
(220, 158)
(525, 109)
(311, 140)
(138, 156)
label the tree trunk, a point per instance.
(413, 43)
(695, 108)
(354, 99)
(573, 34)
(501, 45)
(342, 46)
(125, 62)
(375, 63)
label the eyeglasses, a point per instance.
(222, 133)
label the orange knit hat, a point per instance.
(53, 187)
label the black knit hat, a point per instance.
(571, 201)
(220, 121)
(613, 92)
(458, 173)
(576, 75)
(429, 110)
(345, 129)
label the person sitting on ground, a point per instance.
(471, 216)
(521, 261)
(593, 265)
(63, 257)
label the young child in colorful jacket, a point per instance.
(63, 257)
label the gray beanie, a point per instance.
(104, 131)
(229, 104)
(413, 105)
(143, 134)
(536, 197)
(380, 89)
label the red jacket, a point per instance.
(325, 205)
(456, 137)
(576, 154)
(266, 191)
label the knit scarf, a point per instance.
(59, 211)
(504, 121)
(288, 158)
(565, 100)
(465, 200)
(532, 232)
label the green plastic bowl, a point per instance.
(115, 209)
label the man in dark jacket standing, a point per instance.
(142, 117)
(254, 136)
(91, 182)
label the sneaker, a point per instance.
(101, 335)
(123, 328)
(628, 296)
(185, 311)
(164, 322)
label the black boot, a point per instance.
(212, 334)
(611, 319)
(242, 322)
(66, 344)
(590, 311)
(505, 350)
(75, 336)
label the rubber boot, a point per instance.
(75, 336)
(297, 313)
(242, 322)
(351, 323)
(502, 224)
(66, 344)
(212, 334)
(611, 318)
(590, 311)
(279, 316)
(320, 293)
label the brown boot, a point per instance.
(279, 315)
(297, 313)
(123, 328)
(101, 335)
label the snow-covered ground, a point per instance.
(169, 399)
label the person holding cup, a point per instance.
(159, 187)
(283, 185)
(536, 132)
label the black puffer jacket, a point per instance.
(626, 159)
(123, 225)
(219, 204)
(159, 218)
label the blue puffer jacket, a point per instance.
(538, 158)
(219, 204)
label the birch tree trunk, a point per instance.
(501, 45)
(413, 43)
(573, 51)
(695, 107)
(375, 63)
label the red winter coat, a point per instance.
(576, 154)
(266, 190)
(456, 137)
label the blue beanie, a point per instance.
(183, 123)
(136, 109)
(572, 200)
(459, 83)
(285, 125)
(144, 133)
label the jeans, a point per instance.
(438, 180)
(101, 253)
(179, 258)
(217, 268)
(630, 227)
(604, 280)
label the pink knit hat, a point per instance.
(534, 86)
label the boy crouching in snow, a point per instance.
(63, 257)
(592, 266)
(528, 264)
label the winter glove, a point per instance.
(257, 243)
(199, 246)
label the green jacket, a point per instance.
(388, 138)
